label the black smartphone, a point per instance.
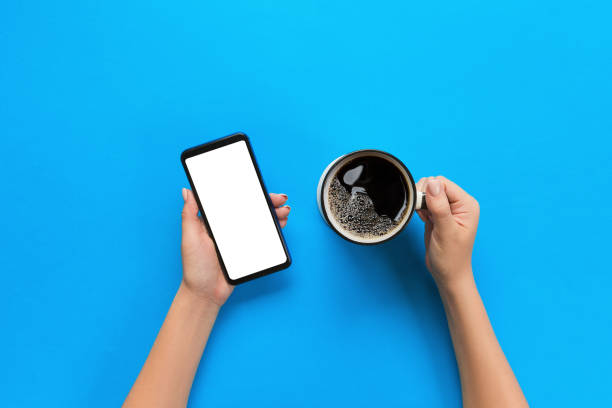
(236, 208)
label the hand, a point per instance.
(451, 220)
(202, 274)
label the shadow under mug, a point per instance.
(415, 199)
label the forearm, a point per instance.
(486, 377)
(166, 377)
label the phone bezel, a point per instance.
(215, 144)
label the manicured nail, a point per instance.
(287, 207)
(185, 194)
(434, 187)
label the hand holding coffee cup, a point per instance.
(451, 221)
(368, 196)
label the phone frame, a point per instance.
(215, 144)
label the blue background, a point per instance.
(510, 99)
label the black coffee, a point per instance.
(368, 196)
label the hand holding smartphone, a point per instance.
(236, 208)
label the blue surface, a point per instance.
(510, 99)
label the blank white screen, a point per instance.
(236, 209)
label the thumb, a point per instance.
(191, 222)
(438, 205)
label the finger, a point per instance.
(453, 191)
(283, 223)
(278, 199)
(428, 228)
(438, 205)
(420, 186)
(283, 212)
(191, 222)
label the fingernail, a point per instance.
(287, 207)
(184, 194)
(284, 195)
(433, 187)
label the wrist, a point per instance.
(195, 300)
(458, 283)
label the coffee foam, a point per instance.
(355, 212)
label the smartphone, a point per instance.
(236, 208)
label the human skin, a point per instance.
(166, 377)
(451, 220)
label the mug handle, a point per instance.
(421, 204)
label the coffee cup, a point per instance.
(368, 196)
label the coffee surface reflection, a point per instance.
(368, 196)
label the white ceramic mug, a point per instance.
(415, 199)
